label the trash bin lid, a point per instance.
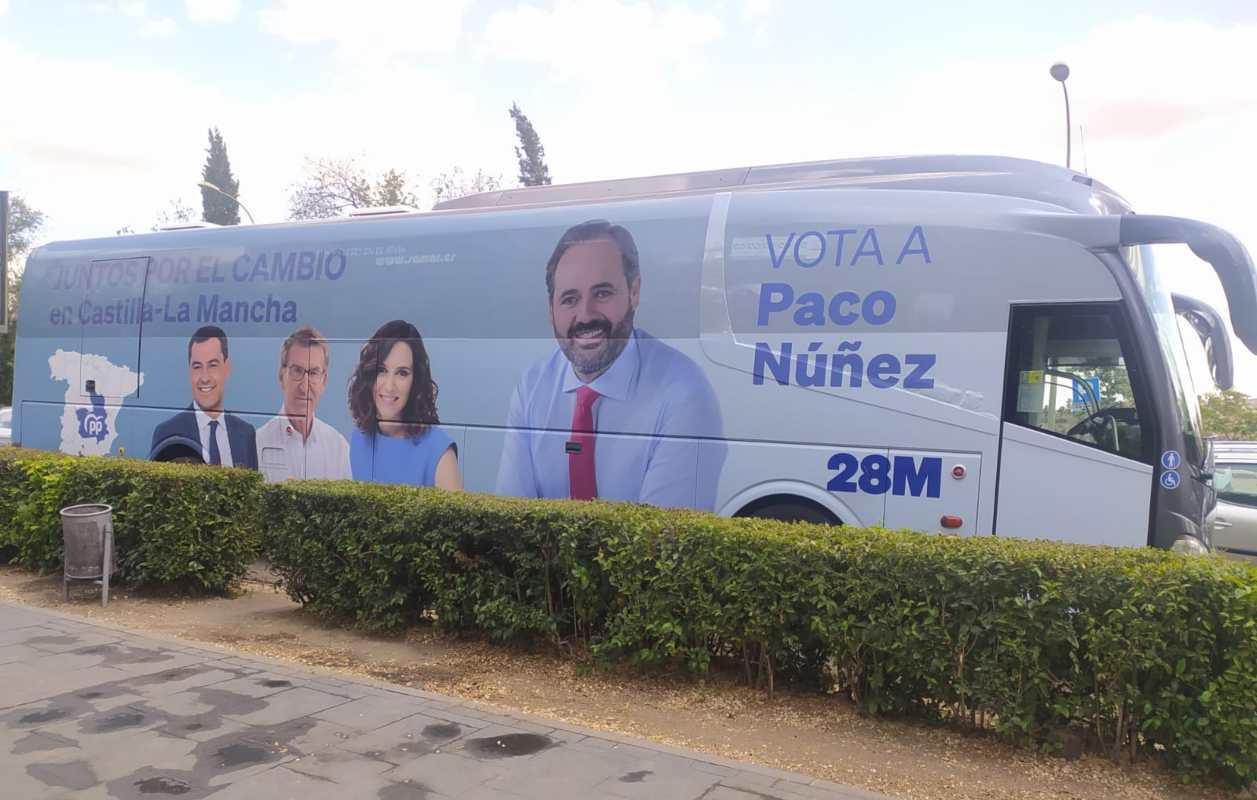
(86, 510)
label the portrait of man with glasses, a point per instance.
(296, 443)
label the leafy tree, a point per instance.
(452, 184)
(1229, 415)
(177, 213)
(390, 190)
(24, 224)
(532, 165)
(8, 342)
(216, 207)
(333, 186)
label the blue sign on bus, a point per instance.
(1082, 396)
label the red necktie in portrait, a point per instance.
(580, 464)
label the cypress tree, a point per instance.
(215, 207)
(532, 166)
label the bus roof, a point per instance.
(1000, 176)
(997, 175)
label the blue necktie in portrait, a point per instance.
(215, 457)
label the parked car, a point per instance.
(6, 425)
(1235, 480)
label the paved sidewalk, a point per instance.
(90, 711)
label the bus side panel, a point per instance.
(933, 491)
(804, 471)
(872, 320)
(474, 286)
(915, 374)
(47, 379)
(1046, 483)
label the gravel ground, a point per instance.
(820, 736)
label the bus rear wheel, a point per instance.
(179, 455)
(790, 509)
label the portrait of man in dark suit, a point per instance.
(220, 438)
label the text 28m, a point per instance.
(877, 474)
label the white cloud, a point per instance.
(102, 159)
(4, 7)
(602, 42)
(159, 28)
(753, 10)
(1169, 114)
(1168, 110)
(135, 9)
(1178, 75)
(368, 31)
(149, 27)
(212, 10)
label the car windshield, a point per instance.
(1236, 482)
(1169, 337)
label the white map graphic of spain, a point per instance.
(89, 427)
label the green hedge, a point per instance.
(180, 527)
(1134, 650)
(1137, 651)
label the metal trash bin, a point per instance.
(87, 531)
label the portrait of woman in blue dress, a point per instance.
(392, 399)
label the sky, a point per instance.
(106, 103)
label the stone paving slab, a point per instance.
(290, 705)
(11, 635)
(92, 711)
(368, 713)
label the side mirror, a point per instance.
(1212, 332)
(1224, 253)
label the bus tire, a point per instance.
(179, 455)
(790, 509)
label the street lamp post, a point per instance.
(236, 200)
(1060, 71)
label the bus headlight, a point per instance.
(1189, 545)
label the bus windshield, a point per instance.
(1169, 336)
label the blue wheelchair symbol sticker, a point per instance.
(1170, 459)
(1170, 479)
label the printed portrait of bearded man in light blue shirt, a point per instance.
(614, 413)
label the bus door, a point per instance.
(1076, 436)
(110, 316)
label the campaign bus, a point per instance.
(967, 345)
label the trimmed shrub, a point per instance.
(1137, 651)
(30, 499)
(175, 526)
(382, 555)
(358, 564)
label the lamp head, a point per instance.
(1060, 71)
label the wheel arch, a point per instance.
(172, 447)
(790, 491)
